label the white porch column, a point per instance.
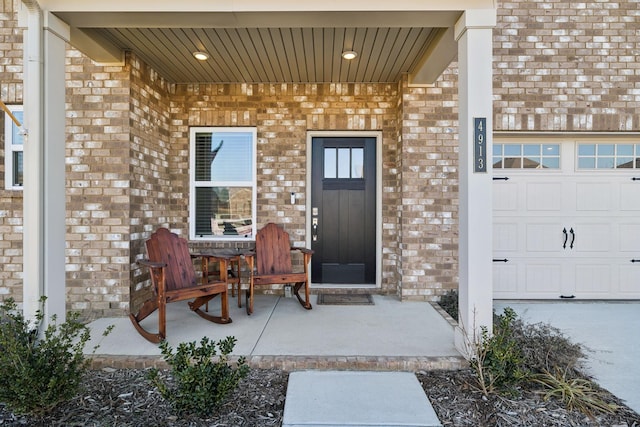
(44, 162)
(473, 33)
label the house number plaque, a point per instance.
(480, 144)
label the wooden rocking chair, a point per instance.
(272, 262)
(173, 278)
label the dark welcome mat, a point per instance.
(345, 299)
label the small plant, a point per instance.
(449, 303)
(39, 372)
(575, 393)
(498, 360)
(200, 380)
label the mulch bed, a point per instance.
(124, 397)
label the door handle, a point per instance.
(314, 232)
(566, 236)
(573, 237)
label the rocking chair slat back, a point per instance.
(273, 250)
(167, 247)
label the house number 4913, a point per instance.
(480, 144)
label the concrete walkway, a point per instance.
(609, 331)
(348, 398)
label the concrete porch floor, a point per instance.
(389, 335)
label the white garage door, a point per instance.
(566, 220)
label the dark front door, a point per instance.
(343, 210)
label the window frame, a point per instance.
(193, 184)
(635, 156)
(10, 148)
(522, 156)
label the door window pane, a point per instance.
(344, 163)
(357, 163)
(330, 162)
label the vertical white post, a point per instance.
(44, 163)
(473, 33)
(32, 192)
(56, 35)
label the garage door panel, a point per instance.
(630, 280)
(505, 237)
(599, 211)
(505, 279)
(592, 278)
(630, 238)
(543, 279)
(505, 197)
(593, 196)
(544, 237)
(591, 237)
(630, 196)
(544, 196)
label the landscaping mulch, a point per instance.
(124, 397)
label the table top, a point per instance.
(225, 252)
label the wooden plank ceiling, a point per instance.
(273, 55)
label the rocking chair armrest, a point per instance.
(151, 264)
(303, 250)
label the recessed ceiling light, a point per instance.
(349, 54)
(201, 56)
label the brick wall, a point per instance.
(10, 200)
(98, 181)
(567, 66)
(282, 114)
(153, 194)
(429, 189)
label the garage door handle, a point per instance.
(566, 236)
(635, 260)
(500, 260)
(501, 178)
(573, 237)
(635, 179)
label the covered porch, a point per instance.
(387, 335)
(403, 49)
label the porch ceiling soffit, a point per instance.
(282, 41)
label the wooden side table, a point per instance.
(233, 257)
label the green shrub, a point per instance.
(498, 361)
(37, 372)
(449, 303)
(200, 381)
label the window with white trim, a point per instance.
(609, 156)
(223, 183)
(526, 156)
(13, 150)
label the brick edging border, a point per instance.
(295, 363)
